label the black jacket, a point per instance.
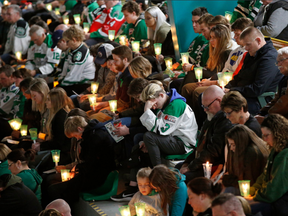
(212, 148)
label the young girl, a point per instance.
(18, 161)
(171, 187)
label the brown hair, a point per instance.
(4, 151)
(94, 49)
(235, 101)
(222, 33)
(202, 185)
(205, 18)
(199, 11)
(166, 179)
(278, 125)
(20, 154)
(131, 7)
(74, 32)
(243, 138)
(144, 172)
(7, 70)
(136, 86)
(219, 19)
(140, 67)
(22, 73)
(241, 24)
(78, 112)
(123, 52)
(50, 212)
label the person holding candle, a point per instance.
(146, 195)
(201, 192)
(4, 166)
(171, 187)
(171, 130)
(246, 158)
(235, 107)
(18, 161)
(136, 29)
(270, 191)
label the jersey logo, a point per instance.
(78, 56)
(20, 31)
(170, 118)
(167, 126)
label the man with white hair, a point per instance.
(18, 38)
(41, 57)
(61, 206)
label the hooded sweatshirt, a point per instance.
(176, 119)
(32, 180)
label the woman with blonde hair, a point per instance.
(4, 167)
(270, 191)
(140, 67)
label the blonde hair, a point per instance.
(144, 172)
(59, 100)
(4, 151)
(222, 33)
(74, 32)
(140, 67)
(40, 86)
(72, 123)
(151, 91)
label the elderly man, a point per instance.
(18, 38)
(259, 73)
(279, 103)
(211, 141)
(41, 57)
(61, 206)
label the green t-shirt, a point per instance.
(137, 31)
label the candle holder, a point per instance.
(94, 87)
(111, 34)
(135, 46)
(49, 21)
(15, 124)
(49, 7)
(56, 156)
(158, 48)
(198, 73)
(23, 130)
(207, 167)
(125, 210)
(66, 19)
(57, 11)
(169, 63)
(55, 83)
(221, 81)
(77, 18)
(228, 76)
(122, 39)
(65, 175)
(33, 134)
(185, 58)
(86, 27)
(140, 208)
(113, 105)
(42, 136)
(18, 55)
(228, 15)
(244, 186)
(92, 100)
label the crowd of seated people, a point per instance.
(140, 116)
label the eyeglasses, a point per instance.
(277, 62)
(10, 164)
(207, 107)
(265, 136)
(229, 113)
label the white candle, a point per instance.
(185, 59)
(18, 55)
(23, 132)
(56, 159)
(228, 17)
(136, 47)
(123, 40)
(49, 7)
(207, 169)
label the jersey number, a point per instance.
(56, 56)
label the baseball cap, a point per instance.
(56, 36)
(103, 52)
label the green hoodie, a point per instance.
(32, 180)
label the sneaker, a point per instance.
(125, 195)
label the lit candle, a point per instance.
(15, 124)
(33, 134)
(77, 18)
(207, 169)
(49, 7)
(113, 105)
(65, 175)
(57, 11)
(244, 186)
(86, 27)
(198, 73)
(6, 2)
(122, 39)
(168, 62)
(222, 84)
(111, 34)
(92, 101)
(125, 211)
(185, 58)
(66, 20)
(158, 48)
(18, 55)
(56, 159)
(55, 83)
(135, 46)
(42, 136)
(140, 208)
(55, 156)
(94, 87)
(228, 15)
(49, 21)
(23, 130)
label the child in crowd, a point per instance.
(146, 195)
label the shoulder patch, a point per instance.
(77, 56)
(80, 54)
(20, 31)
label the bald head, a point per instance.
(213, 92)
(211, 100)
(62, 27)
(251, 32)
(61, 206)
